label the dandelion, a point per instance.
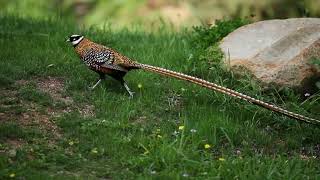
(12, 175)
(181, 128)
(193, 130)
(222, 159)
(139, 85)
(207, 146)
(94, 151)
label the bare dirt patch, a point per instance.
(87, 110)
(28, 113)
(15, 143)
(55, 88)
(41, 120)
(12, 108)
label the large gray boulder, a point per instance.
(275, 51)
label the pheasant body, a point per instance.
(106, 61)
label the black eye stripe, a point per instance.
(74, 38)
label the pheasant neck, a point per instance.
(81, 47)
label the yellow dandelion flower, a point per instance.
(139, 85)
(222, 159)
(207, 146)
(181, 128)
(12, 175)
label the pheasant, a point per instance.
(106, 61)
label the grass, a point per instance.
(140, 137)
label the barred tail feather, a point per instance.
(225, 90)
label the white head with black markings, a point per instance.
(75, 39)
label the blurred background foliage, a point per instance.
(150, 13)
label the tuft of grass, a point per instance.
(13, 130)
(141, 138)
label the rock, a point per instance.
(275, 51)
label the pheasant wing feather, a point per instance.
(103, 58)
(108, 59)
(114, 66)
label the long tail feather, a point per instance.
(227, 91)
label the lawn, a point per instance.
(52, 126)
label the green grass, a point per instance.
(135, 138)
